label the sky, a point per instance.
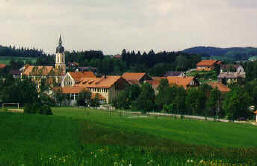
(112, 25)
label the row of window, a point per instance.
(99, 90)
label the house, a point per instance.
(230, 74)
(73, 65)
(107, 87)
(72, 78)
(221, 87)
(136, 78)
(87, 68)
(2, 66)
(232, 68)
(185, 82)
(175, 73)
(207, 65)
(155, 82)
(15, 73)
(230, 77)
(118, 56)
(39, 73)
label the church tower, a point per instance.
(60, 57)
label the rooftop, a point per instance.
(103, 82)
(180, 81)
(207, 63)
(221, 87)
(133, 76)
(77, 76)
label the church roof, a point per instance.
(60, 48)
(38, 70)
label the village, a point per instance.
(68, 81)
(128, 83)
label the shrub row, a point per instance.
(36, 108)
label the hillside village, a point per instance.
(70, 84)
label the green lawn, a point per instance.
(75, 136)
(217, 134)
(6, 59)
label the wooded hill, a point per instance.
(233, 53)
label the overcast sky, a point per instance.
(111, 25)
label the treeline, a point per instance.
(20, 52)
(251, 70)
(154, 63)
(25, 92)
(202, 101)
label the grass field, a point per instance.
(6, 59)
(75, 136)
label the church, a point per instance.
(70, 84)
(52, 75)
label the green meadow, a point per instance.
(6, 59)
(78, 136)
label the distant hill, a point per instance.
(233, 53)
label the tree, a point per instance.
(145, 101)
(127, 97)
(213, 102)
(59, 97)
(179, 101)
(236, 104)
(95, 102)
(84, 98)
(195, 101)
(165, 94)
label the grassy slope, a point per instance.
(6, 59)
(77, 137)
(31, 134)
(215, 134)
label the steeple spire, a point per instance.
(60, 40)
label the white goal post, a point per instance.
(10, 104)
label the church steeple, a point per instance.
(60, 48)
(60, 56)
(60, 40)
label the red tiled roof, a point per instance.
(155, 82)
(103, 82)
(38, 70)
(71, 90)
(180, 81)
(117, 56)
(207, 63)
(221, 87)
(77, 76)
(133, 76)
(2, 66)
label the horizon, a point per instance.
(170, 25)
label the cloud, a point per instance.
(134, 24)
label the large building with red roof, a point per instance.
(106, 87)
(207, 65)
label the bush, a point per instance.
(36, 108)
